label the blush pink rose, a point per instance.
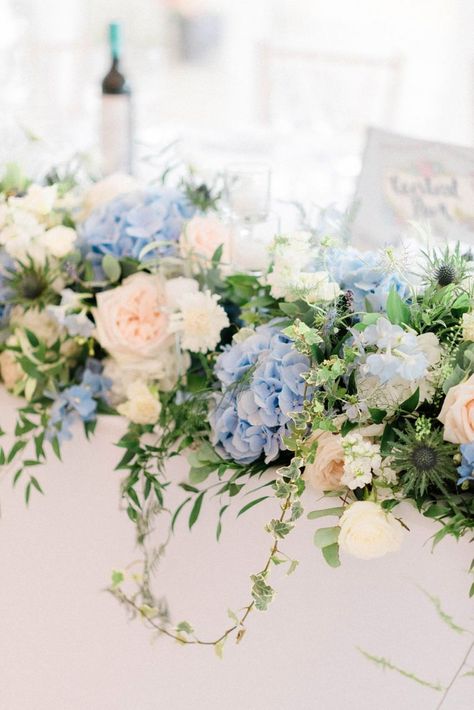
(203, 235)
(131, 320)
(328, 467)
(457, 413)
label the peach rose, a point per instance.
(203, 235)
(131, 320)
(457, 413)
(328, 467)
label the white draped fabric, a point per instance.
(67, 645)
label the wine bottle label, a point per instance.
(116, 134)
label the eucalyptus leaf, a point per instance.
(326, 536)
(111, 267)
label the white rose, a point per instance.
(141, 406)
(58, 241)
(367, 531)
(105, 190)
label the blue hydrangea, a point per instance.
(361, 273)
(128, 223)
(466, 469)
(261, 384)
(78, 402)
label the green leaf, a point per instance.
(177, 512)
(325, 511)
(293, 565)
(326, 536)
(217, 256)
(378, 415)
(387, 440)
(33, 340)
(111, 267)
(36, 484)
(198, 475)
(331, 555)
(196, 509)
(117, 577)
(471, 591)
(410, 404)
(16, 448)
(184, 627)
(251, 505)
(56, 447)
(397, 310)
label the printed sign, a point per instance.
(404, 179)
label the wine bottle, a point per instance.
(116, 119)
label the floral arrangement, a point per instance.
(336, 374)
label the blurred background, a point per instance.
(294, 82)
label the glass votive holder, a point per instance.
(247, 191)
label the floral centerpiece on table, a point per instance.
(337, 371)
(100, 312)
(350, 375)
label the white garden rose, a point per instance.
(58, 241)
(141, 407)
(457, 413)
(132, 320)
(368, 531)
(106, 190)
(203, 235)
(325, 473)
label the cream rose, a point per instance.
(10, 371)
(141, 407)
(457, 413)
(328, 467)
(203, 235)
(131, 320)
(367, 531)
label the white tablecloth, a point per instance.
(66, 645)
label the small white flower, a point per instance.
(58, 241)
(200, 321)
(362, 460)
(141, 407)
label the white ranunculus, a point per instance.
(141, 407)
(58, 241)
(368, 531)
(105, 190)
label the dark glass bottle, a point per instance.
(116, 119)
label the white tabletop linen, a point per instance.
(67, 645)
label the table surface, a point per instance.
(67, 645)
